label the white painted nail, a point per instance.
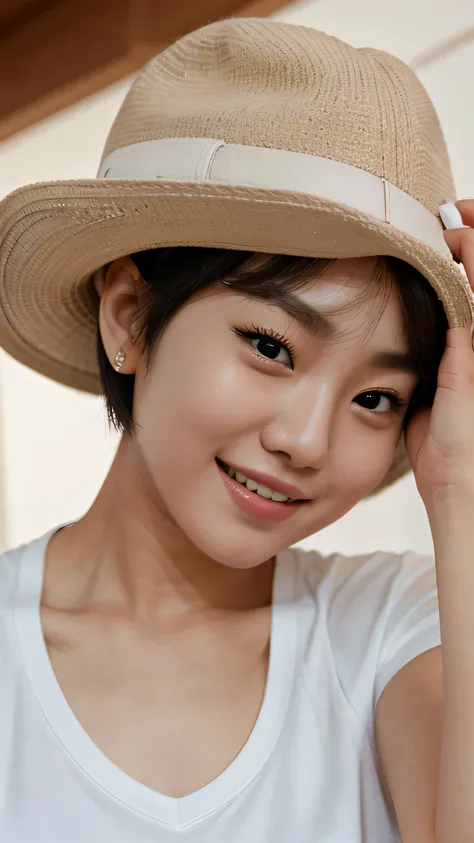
(451, 216)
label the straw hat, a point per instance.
(246, 134)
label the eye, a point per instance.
(274, 347)
(372, 398)
(269, 344)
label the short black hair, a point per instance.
(175, 274)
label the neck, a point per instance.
(127, 555)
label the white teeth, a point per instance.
(264, 491)
(277, 496)
(259, 488)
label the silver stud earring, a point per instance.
(120, 357)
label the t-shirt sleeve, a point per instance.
(379, 611)
(412, 618)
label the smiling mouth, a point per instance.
(258, 489)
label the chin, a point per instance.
(237, 551)
(229, 538)
(235, 547)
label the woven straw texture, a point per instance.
(253, 82)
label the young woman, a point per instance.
(277, 313)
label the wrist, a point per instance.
(451, 507)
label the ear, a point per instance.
(123, 298)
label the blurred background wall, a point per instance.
(56, 447)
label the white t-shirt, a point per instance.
(341, 628)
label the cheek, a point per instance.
(193, 403)
(353, 471)
(361, 460)
(200, 395)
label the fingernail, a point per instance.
(451, 216)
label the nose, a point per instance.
(301, 430)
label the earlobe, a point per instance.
(120, 304)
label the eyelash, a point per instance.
(256, 333)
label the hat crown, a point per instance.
(264, 83)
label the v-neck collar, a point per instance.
(173, 812)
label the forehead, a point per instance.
(341, 282)
(336, 293)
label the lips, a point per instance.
(267, 480)
(255, 506)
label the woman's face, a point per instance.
(312, 416)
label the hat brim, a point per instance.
(53, 236)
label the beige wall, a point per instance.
(56, 447)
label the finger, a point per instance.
(466, 209)
(460, 343)
(459, 338)
(461, 243)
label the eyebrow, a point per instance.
(320, 326)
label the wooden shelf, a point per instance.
(55, 52)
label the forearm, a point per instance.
(452, 525)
